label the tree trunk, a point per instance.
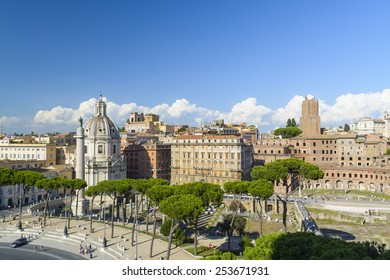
(112, 219)
(70, 203)
(173, 228)
(90, 215)
(196, 237)
(136, 217)
(260, 213)
(117, 208)
(231, 229)
(100, 208)
(285, 214)
(132, 233)
(147, 217)
(46, 209)
(77, 203)
(142, 203)
(124, 211)
(154, 234)
(21, 198)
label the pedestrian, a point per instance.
(36, 249)
(90, 254)
(41, 248)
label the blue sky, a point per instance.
(191, 61)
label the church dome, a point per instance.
(100, 125)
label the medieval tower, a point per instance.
(310, 122)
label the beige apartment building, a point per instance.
(210, 158)
(26, 155)
(149, 123)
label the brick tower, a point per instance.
(310, 122)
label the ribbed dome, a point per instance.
(100, 125)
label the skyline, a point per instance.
(191, 61)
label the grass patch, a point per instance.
(203, 251)
(322, 222)
(352, 194)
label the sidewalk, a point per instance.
(118, 248)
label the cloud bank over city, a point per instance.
(346, 109)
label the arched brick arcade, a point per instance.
(372, 180)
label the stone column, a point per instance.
(83, 203)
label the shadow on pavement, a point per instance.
(338, 234)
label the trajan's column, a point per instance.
(83, 203)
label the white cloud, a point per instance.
(293, 109)
(7, 123)
(350, 107)
(346, 108)
(181, 107)
(247, 111)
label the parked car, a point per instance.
(19, 242)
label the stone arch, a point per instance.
(361, 185)
(371, 187)
(328, 184)
(350, 185)
(339, 184)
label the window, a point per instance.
(100, 149)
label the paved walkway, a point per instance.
(118, 248)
